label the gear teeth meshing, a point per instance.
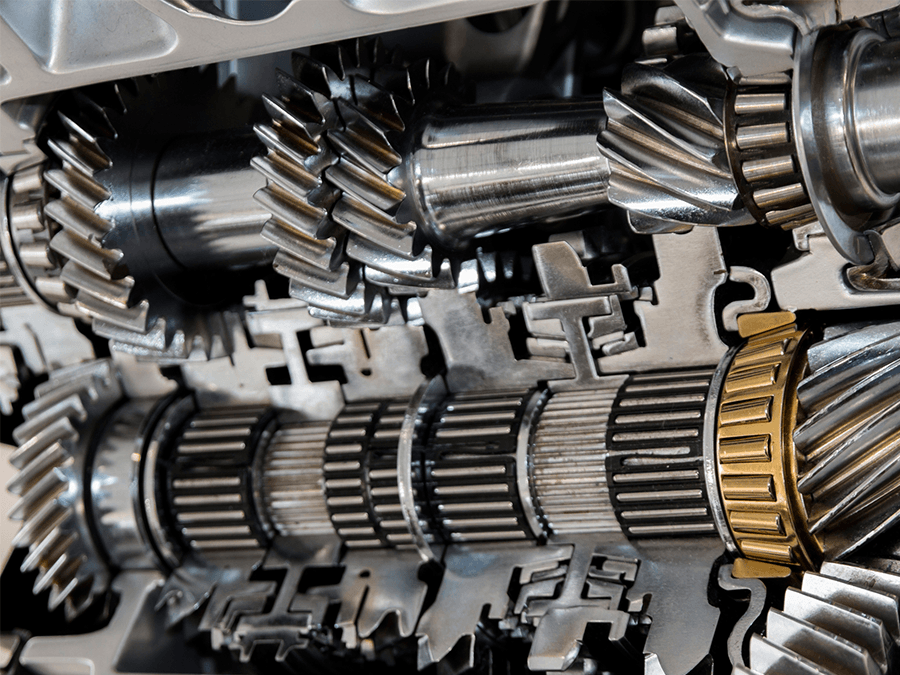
(311, 247)
(331, 150)
(665, 140)
(842, 620)
(372, 206)
(849, 443)
(53, 449)
(29, 270)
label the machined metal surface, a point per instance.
(561, 338)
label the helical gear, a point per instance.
(29, 270)
(113, 278)
(848, 445)
(345, 240)
(671, 171)
(54, 449)
(841, 620)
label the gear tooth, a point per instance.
(100, 286)
(849, 443)
(297, 146)
(362, 199)
(40, 524)
(363, 304)
(294, 185)
(40, 443)
(76, 187)
(61, 591)
(364, 142)
(107, 98)
(316, 112)
(320, 252)
(94, 122)
(375, 51)
(339, 282)
(330, 55)
(449, 78)
(82, 221)
(131, 320)
(52, 576)
(662, 166)
(373, 225)
(354, 179)
(317, 76)
(422, 78)
(43, 422)
(86, 160)
(35, 470)
(655, 86)
(378, 104)
(101, 261)
(393, 78)
(50, 548)
(38, 493)
(360, 54)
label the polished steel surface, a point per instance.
(578, 353)
(478, 171)
(876, 124)
(846, 126)
(203, 203)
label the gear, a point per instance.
(336, 210)
(671, 171)
(849, 443)
(123, 277)
(842, 620)
(29, 270)
(52, 459)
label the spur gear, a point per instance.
(52, 458)
(119, 257)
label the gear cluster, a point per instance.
(558, 339)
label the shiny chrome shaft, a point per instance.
(876, 113)
(480, 170)
(203, 202)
